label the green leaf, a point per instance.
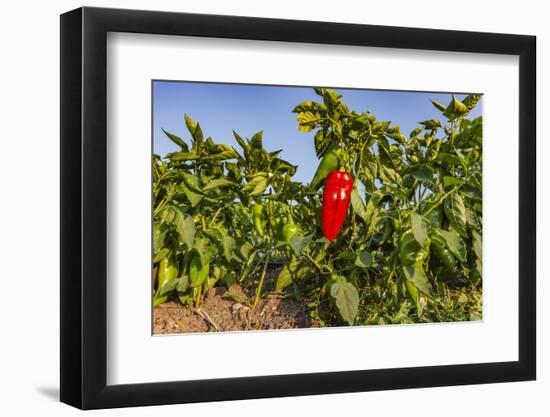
(431, 124)
(364, 260)
(183, 283)
(284, 279)
(193, 197)
(177, 140)
(417, 276)
(471, 100)
(195, 129)
(160, 255)
(299, 242)
(455, 109)
(193, 182)
(450, 159)
(423, 173)
(478, 247)
(357, 204)
(182, 156)
(307, 121)
(419, 228)
(256, 185)
(229, 245)
(456, 213)
(187, 230)
(218, 183)
(455, 243)
(450, 181)
(438, 106)
(346, 298)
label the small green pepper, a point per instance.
(410, 250)
(198, 273)
(168, 270)
(258, 218)
(443, 254)
(329, 163)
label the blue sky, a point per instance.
(221, 108)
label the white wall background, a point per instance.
(29, 211)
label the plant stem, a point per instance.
(198, 299)
(441, 200)
(215, 216)
(261, 284)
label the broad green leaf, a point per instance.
(455, 244)
(183, 283)
(160, 255)
(471, 192)
(193, 197)
(307, 121)
(364, 260)
(357, 204)
(423, 173)
(218, 183)
(299, 242)
(245, 250)
(419, 228)
(168, 287)
(346, 298)
(478, 247)
(256, 185)
(284, 279)
(192, 182)
(449, 159)
(456, 213)
(187, 230)
(229, 245)
(417, 276)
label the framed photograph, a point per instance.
(257, 208)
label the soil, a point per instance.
(220, 311)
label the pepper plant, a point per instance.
(388, 230)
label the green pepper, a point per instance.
(198, 273)
(168, 270)
(258, 219)
(387, 231)
(443, 254)
(329, 163)
(288, 231)
(410, 250)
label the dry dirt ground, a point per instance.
(220, 311)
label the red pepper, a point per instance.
(336, 196)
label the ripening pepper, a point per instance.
(288, 230)
(336, 197)
(258, 219)
(439, 248)
(410, 250)
(329, 163)
(168, 270)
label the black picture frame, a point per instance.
(84, 207)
